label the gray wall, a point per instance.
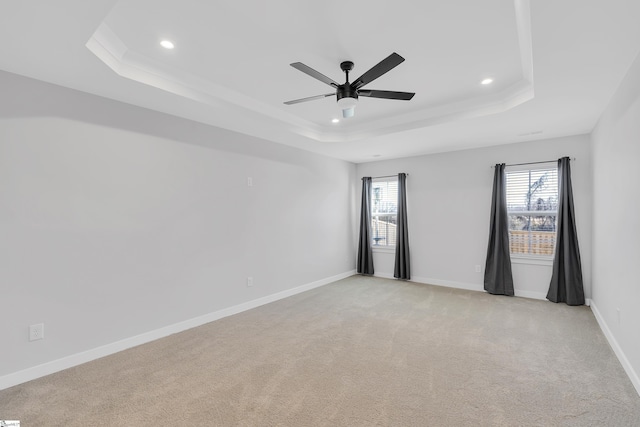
(115, 220)
(616, 224)
(449, 203)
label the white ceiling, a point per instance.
(555, 65)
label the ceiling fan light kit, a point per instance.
(348, 106)
(347, 94)
(348, 111)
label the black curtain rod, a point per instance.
(386, 176)
(535, 163)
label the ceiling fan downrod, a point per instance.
(346, 90)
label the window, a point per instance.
(532, 206)
(384, 212)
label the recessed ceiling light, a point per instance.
(486, 81)
(335, 121)
(167, 44)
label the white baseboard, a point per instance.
(628, 368)
(436, 282)
(449, 284)
(383, 275)
(530, 294)
(466, 286)
(48, 368)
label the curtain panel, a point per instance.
(566, 280)
(402, 268)
(365, 256)
(498, 279)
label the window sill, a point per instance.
(384, 249)
(531, 260)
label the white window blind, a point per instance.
(384, 211)
(532, 206)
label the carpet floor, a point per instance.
(358, 352)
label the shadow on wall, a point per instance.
(26, 97)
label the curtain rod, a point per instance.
(535, 163)
(385, 176)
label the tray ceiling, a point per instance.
(230, 65)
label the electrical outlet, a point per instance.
(478, 269)
(249, 182)
(36, 332)
(249, 281)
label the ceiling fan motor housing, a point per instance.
(346, 91)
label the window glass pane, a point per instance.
(384, 209)
(532, 190)
(524, 222)
(384, 196)
(383, 228)
(532, 234)
(532, 203)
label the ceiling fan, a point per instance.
(347, 94)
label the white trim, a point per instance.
(531, 260)
(383, 249)
(449, 284)
(66, 362)
(467, 286)
(112, 50)
(437, 282)
(530, 294)
(523, 18)
(628, 368)
(384, 276)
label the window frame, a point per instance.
(530, 258)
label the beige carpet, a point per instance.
(358, 352)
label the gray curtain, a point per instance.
(566, 280)
(498, 279)
(365, 257)
(402, 269)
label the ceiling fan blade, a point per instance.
(313, 73)
(310, 98)
(387, 64)
(386, 94)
